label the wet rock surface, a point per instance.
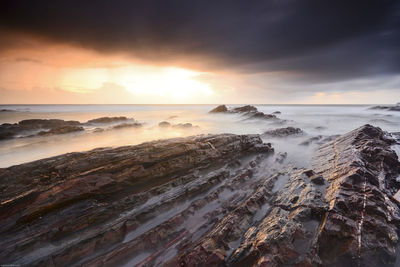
(127, 125)
(46, 127)
(187, 125)
(319, 140)
(249, 111)
(216, 200)
(62, 130)
(183, 125)
(219, 109)
(164, 124)
(283, 132)
(80, 207)
(361, 225)
(389, 108)
(108, 119)
(35, 126)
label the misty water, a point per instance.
(314, 120)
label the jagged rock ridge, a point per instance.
(98, 202)
(210, 200)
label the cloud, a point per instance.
(108, 93)
(25, 59)
(311, 38)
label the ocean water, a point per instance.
(314, 120)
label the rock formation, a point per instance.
(183, 125)
(390, 108)
(214, 200)
(34, 126)
(62, 130)
(127, 125)
(219, 109)
(84, 207)
(164, 124)
(283, 132)
(108, 119)
(250, 112)
(44, 127)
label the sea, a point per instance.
(314, 120)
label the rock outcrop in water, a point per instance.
(45, 127)
(216, 200)
(127, 125)
(390, 108)
(219, 109)
(250, 112)
(61, 130)
(108, 119)
(164, 124)
(35, 126)
(283, 132)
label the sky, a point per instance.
(200, 51)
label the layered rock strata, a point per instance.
(85, 207)
(216, 200)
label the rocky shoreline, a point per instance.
(45, 127)
(216, 200)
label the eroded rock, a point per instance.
(34, 126)
(360, 227)
(108, 119)
(205, 200)
(390, 108)
(44, 127)
(283, 132)
(127, 125)
(164, 124)
(249, 111)
(219, 109)
(62, 130)
(96, 203)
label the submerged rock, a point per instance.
(283, 132)
(164, 124)
(127, 125)
(319, 140)
(108, 119)
(245, 109)
(44, 127)
(390, 108)
(183, 125)
(62, 130)
(37, 126)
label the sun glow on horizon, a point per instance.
(58, 73)
(144, 81)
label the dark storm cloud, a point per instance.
(319, 39)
